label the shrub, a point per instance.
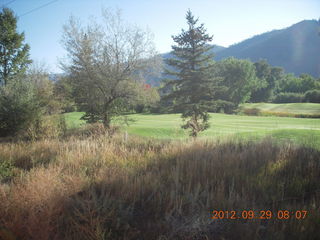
(288, 97)
(312, 96)
(69, 107)
(50, 126)
(223, 106)
(139, 108)
(19, 107)
(155, 109)
(252, 111)
(287, 114)
(6, 170)
(22, 112)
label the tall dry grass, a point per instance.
(102, 188)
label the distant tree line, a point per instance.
(242, 81)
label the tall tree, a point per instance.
(14, 54)
(239, 79)
(104, 64)
(263, 72)
(193, 87)
(267, 76)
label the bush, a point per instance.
(287, 114)
(23, 105)
(139, 108)
(19, 107)
(288, 97)
(6, 170)
(223, 106)
(312, 96)
(51, 126)
(252, 111)
(69, 107)
(155, 109)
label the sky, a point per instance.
(229, 21)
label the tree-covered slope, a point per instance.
(295, 48)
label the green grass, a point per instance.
(73, 119)
(294, 108)
(167, 126)
(94, 187)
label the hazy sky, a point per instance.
(230, 21)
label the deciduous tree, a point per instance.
(104, 64)
(239, 79)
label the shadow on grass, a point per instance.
(172, 196)
(166, 190)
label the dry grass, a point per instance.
(259, 112)
(102, 188)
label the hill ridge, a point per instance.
(295, 48)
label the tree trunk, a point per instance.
(106, 120)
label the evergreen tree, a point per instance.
(14, 54)
(193, 86)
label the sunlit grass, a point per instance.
(73, 119)
(167, 126)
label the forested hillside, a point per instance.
(295, 48)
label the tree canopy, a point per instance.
(14, 54)
(104, 64)
(239, 79)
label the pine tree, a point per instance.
(14, 54)
(193, 87)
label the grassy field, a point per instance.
(86, 185)
(167, 126)
(295, 108)
(100, 188)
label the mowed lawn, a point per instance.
(167, 126)
(295, 108)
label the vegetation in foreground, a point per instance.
(95, 188)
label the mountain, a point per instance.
(155, 81)
(296, 48)
(216, 49)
